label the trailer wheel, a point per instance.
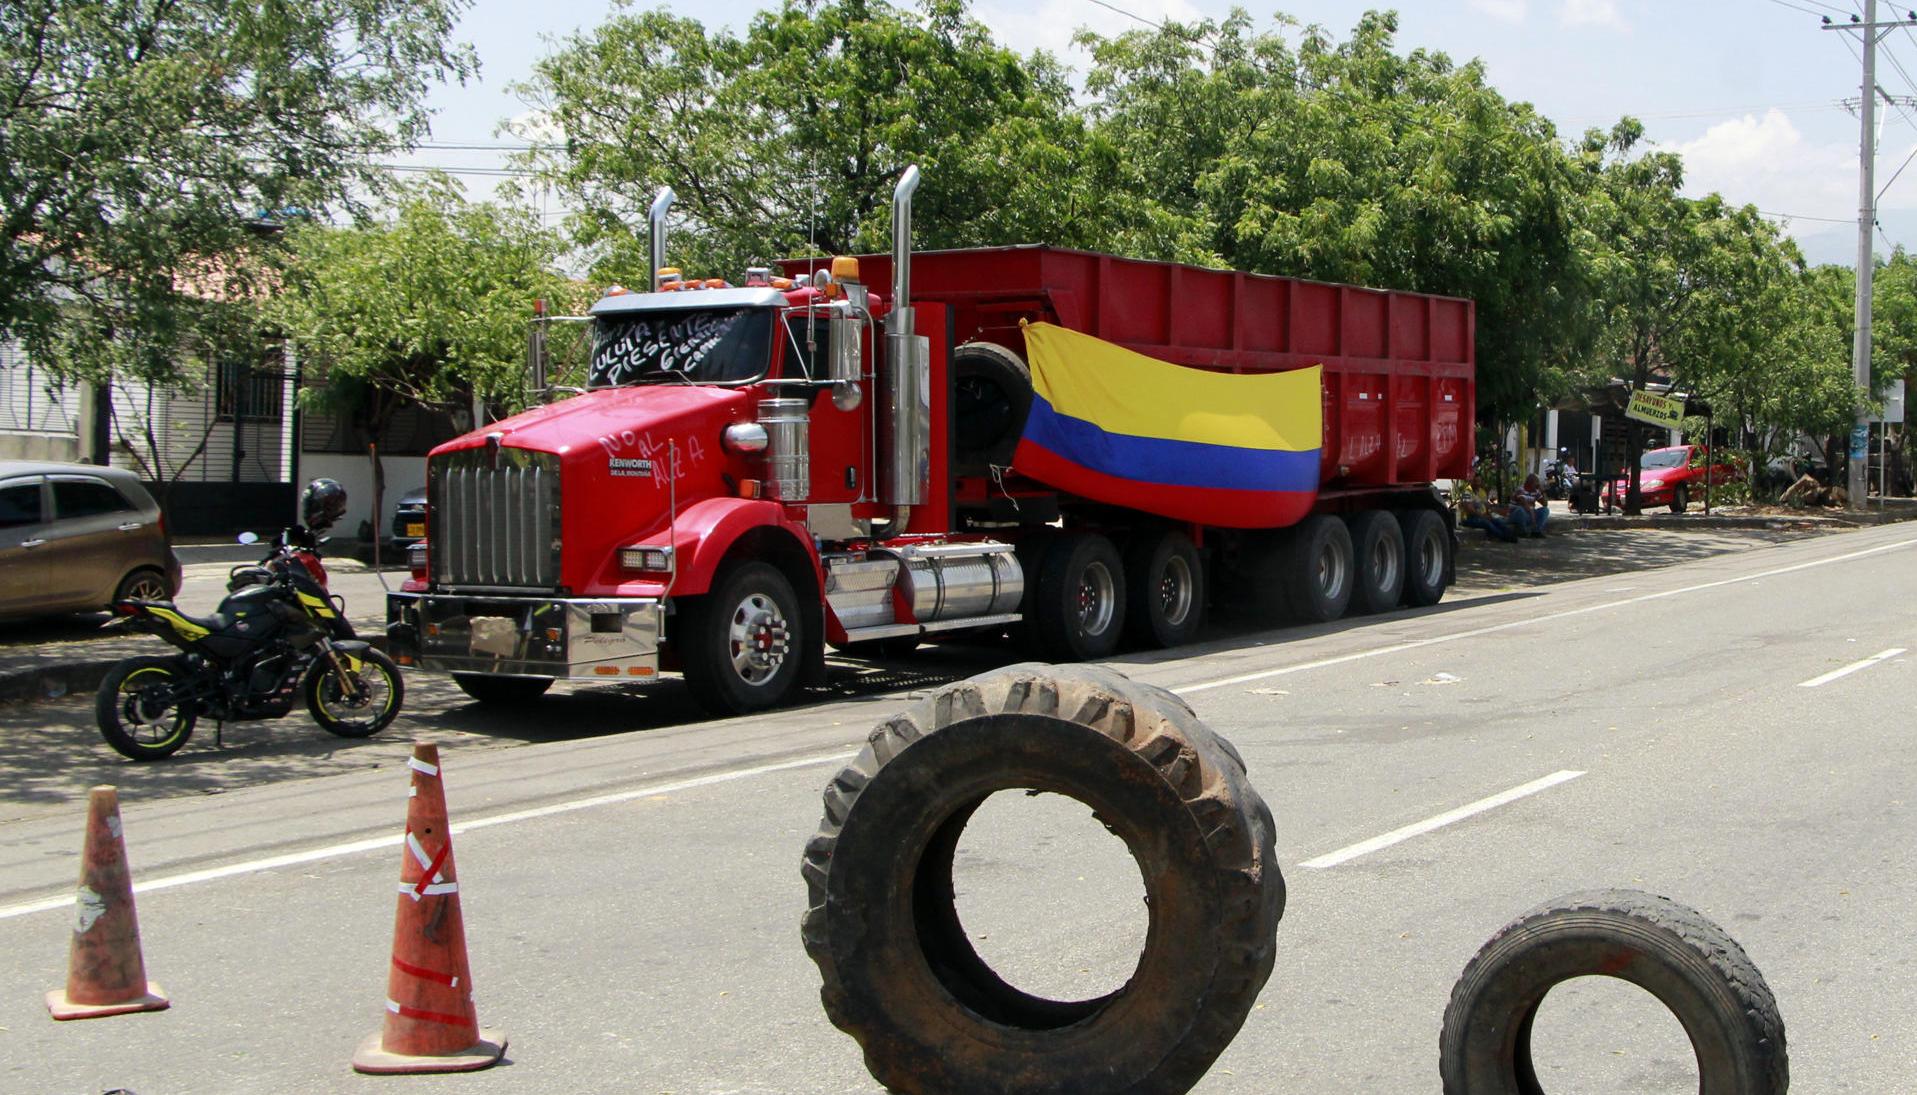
(899, 973)
(1079, 606)
(1675, 953)
(991, 395)
(1318, 570)
(1427, 551)
(743, 644)
(1377, 544)
(1164, 589)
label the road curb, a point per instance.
(55, 680)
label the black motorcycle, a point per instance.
(277, 636)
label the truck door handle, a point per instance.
(131, 526)
(32, 543)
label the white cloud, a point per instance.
(1510, 11)
(1767, 162)
(1592, 13)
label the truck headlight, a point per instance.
(646, 560)
(416, 558)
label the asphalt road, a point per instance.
(632, 898)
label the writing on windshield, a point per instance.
(705, 346)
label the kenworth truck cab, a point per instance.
(756, 472)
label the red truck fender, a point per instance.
(705, 532)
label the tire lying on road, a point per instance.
(901, 976)
(1675, 953)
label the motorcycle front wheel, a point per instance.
(138, 709)
(361, 705)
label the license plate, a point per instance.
(494, 636)
(417, 528)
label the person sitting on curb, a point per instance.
(1473, 513)
(1529, 510)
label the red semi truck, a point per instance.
(757, 473)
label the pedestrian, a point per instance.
(1474, 513)
(1529, 510)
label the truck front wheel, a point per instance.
(743, 644)
(503, 691)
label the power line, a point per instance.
(1802, 217)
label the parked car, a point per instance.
(74, 537)
(1673, 477)
(409, 521)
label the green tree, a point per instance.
(1349, 161)
(787, 141)
(140, 141)
(426, 307)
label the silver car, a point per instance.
(74, 537)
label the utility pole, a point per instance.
(1872, 32)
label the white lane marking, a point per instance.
(1414, 644)
(335, 851)
(1882, 656)
(1366, 847)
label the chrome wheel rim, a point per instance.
(1095, 604)
(1431, 560)
(1331, 571)
(1175, 590)
(1384, 563)
(147, 587)
(757, 638)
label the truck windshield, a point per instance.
(696, 345)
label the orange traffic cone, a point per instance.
(430, 1022)
(105, 973)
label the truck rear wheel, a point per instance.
(1427, 550)
(1078, 610)
(1319, 570)
(743, 644)
(992, 393)
(1164, 589)
(1378, 547)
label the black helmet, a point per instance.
(323, 503)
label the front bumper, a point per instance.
(563, 637)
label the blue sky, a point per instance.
(1749, 91)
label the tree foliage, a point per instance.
(139, 139)
(787, 140)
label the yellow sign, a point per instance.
(1658, 410)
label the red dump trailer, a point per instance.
(758, 471)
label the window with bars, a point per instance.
(247, 391)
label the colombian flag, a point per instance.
(1213, 448)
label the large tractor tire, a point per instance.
(1164, 589)
(1377, 548)
(902, 977)
(991, 395)
(1675, 953)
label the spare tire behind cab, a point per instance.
(902, 977)
(991, 395)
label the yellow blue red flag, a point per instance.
(1235, 451)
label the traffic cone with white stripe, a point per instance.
(431, 1025)
(106, 974)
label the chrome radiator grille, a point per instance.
(495, 519)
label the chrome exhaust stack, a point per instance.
(906, 427)
(656, 241)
